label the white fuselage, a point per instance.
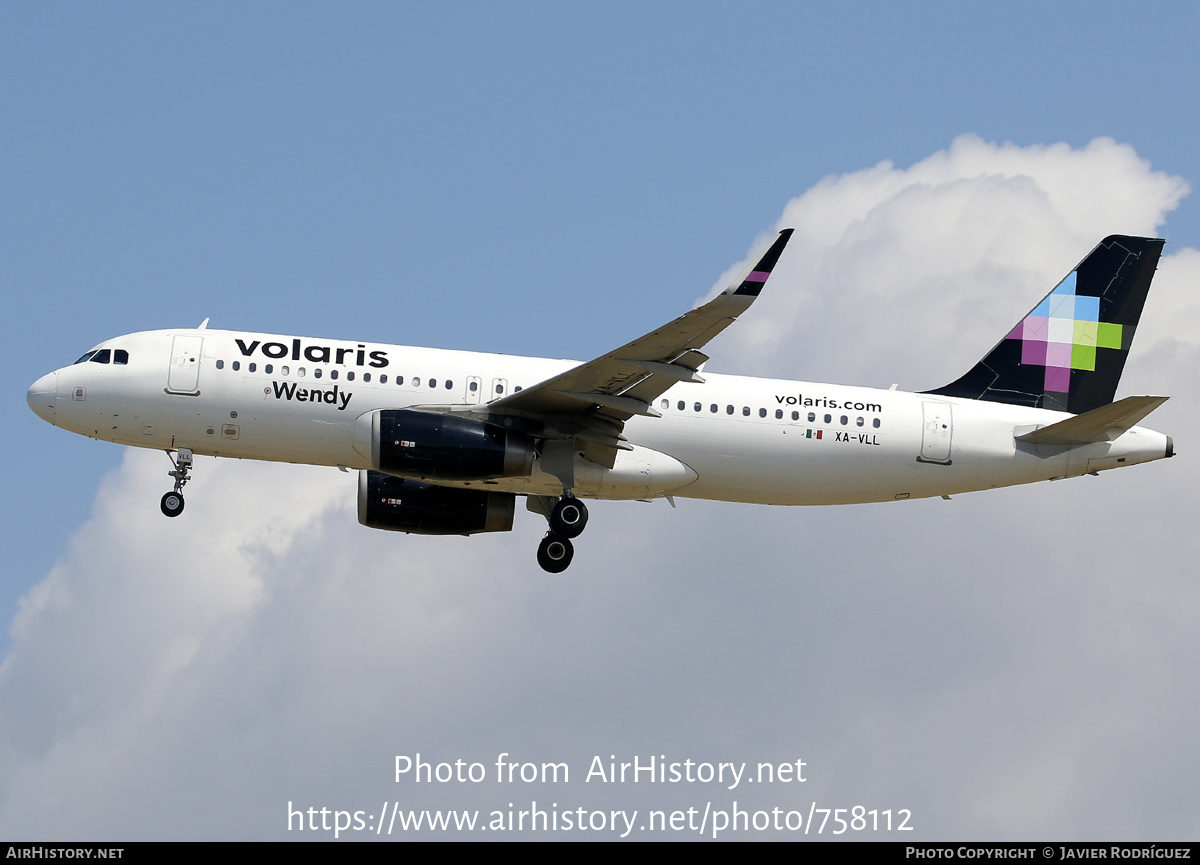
(733, 438)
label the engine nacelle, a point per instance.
(403, 505)
(421, 444)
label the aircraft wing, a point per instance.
(592, 401)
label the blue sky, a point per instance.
(537, 178)
(366, 170)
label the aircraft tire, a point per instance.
(555, 553)
(172, 504)
(568, 517)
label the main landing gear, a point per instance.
(567, 519)
(172, 502)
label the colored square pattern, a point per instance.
(1063, 333)
(1108, 335)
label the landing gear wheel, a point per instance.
(172, 504)
(555, 553)
(568, 517)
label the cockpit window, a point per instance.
(105, 355)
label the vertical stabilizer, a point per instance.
(1068, 353)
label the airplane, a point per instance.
(445, 442)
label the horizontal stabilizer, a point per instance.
(1102, 424)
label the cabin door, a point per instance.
(936, 432)
(184, 375)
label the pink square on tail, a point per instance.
(1058, 354)
(1058, 379)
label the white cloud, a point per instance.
(917, 272)
(1015, 664)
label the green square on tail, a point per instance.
(1108, 335)
(1083, 357)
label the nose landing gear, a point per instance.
(567, 519)
(172, 502)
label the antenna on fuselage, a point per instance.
(203, 325)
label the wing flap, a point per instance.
(671, 370)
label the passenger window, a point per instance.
(366, 376)
(283, 370)
(220, 364)
(812, 417)
(666, 403)
(350, 376)
(317, 372)
(416, 381)
(796, 416)
(236, 365)
(697, 406)
(728, 409)
(875, 423)
(433, 382)
(779, 414)
(713, 408)
(500, 388)
(474, 386)
(860, 421)
(845, 420)
(383, 378)
(828, 418)
(449, 385)
(253, 367)
(333, 373)
(104, 355)
(682, 405)
(399, 380)
(517, 388)
(300, 372)
(762, 412)
(121, 356)
(745, 411)
(268, 369)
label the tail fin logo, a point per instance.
(1063, 333)
(1067, 354)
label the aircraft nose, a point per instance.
(41, 396)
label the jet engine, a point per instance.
(403, 505)
(421, 444)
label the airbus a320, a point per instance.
(445, 442)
